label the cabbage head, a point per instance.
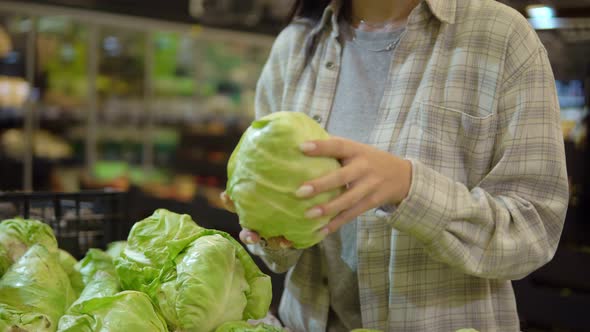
(5, 260)
(94, 261)
(103, 284)
(265, 170)
(122, 312)
(152, 246)
(198, 278)
(103, 307)
(114, 249)
(68, 263)
(35, 292)
(17, 235)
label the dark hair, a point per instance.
(311, 9)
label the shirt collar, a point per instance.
(443, 10)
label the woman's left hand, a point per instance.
(373, 178)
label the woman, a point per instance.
(447, 127)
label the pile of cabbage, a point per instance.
(170, 275)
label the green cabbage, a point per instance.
(5, 260)
(198, 278)
(114, 249)
(210, 286)
(17, 235)
(122, 312)
(103, 307)
(16, 320)
(152, 246)
(35, 292)
(241, 326)
(103, 284)
(265, 170)
(94, 261)
(68, 263)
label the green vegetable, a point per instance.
(15, 320)
(114, 249)
(5, 260)
(103, 284)
(241, 326)
(121, 312)
(94, 261)
(17, 235)
(103, 307)
(210, 286)
(198, 278)
(265, 170)
(35, 292)
(152, 246)
(68, 263)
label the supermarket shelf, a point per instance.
(142, 24)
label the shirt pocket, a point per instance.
(451, 141)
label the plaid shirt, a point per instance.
(471, 102)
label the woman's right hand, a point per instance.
(250, 237)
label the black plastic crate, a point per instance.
(80, 221)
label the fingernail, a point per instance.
(284, 245)
(304, 191)
(313, 213)
(307, 146)
(325, 231)
(249, 240)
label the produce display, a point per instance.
(198, 278)
(170, 275)
(265, 170)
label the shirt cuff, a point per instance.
(261, 249)
(427, 209)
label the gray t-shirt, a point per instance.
(366, 58)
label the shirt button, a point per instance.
(317, 118)
(330, 65)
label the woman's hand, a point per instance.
(373, 178)
(250, 237)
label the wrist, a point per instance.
(405, 181)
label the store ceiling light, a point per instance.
(542, 17)
(540, 11)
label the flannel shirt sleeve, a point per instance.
(277, 260)
(510, 223)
